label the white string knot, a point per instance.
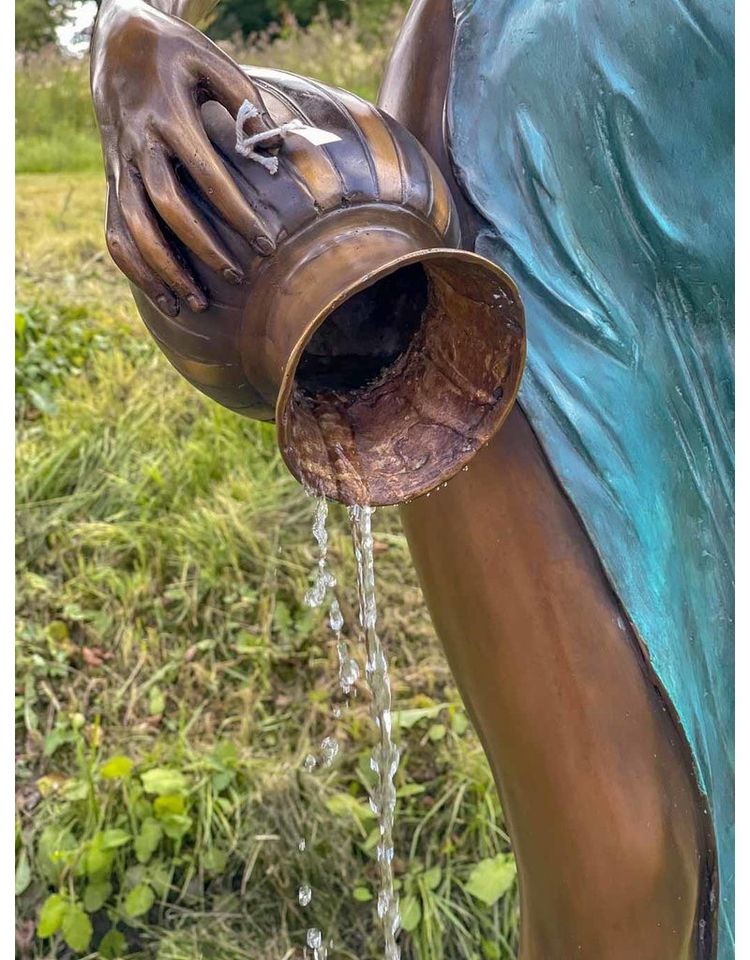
(246, 145)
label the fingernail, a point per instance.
(264, 246)
(167, 305)
(196, 304)
(233, 275)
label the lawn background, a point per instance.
(169, 679)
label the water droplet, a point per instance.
(336, 711)
(304, 895)
(348, 673)
(314, 938)
(329, 748)
(310, 763)
(336, 618)
(302, 845)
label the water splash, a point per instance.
(385, 756)
(304, 894)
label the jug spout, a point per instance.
(391, 361)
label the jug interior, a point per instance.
(400, 385)
(365, 336)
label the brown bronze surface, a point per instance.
(613, 846)
(339, 220)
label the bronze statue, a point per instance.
(600, 758)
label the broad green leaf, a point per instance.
(56, 738)
(407, 718)
(111, 839)
(172, 803)
(176, 825)
(96, 895)
(491, 878)
(98, 859)
(163, 781)
(159, 877)
(411, 913)
(437, 732)
(23, 873)
(54, 844)
(431, 878)
(460, 723)
(139, 900)
(148, 839)
(76, 928)
(410, 790)
(361, 894)
(113, 945)
(116, 767)
(51, 915)
(345, 805)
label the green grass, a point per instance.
(170, 680)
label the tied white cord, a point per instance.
(246, 145)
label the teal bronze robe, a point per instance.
(595, 138)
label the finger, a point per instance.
(183, 218)
(195, 151)
(146, 232)
(231, 86)
(126, 255)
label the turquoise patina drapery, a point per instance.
(596, 138)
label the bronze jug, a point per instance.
(386, 356)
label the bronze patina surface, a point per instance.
(352, 235)
(614, 850)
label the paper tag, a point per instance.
(315, 135)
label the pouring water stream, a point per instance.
(385, 756)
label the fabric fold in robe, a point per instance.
(596, 139)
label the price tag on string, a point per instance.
(314, 135)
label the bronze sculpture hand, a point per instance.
(150, 72)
